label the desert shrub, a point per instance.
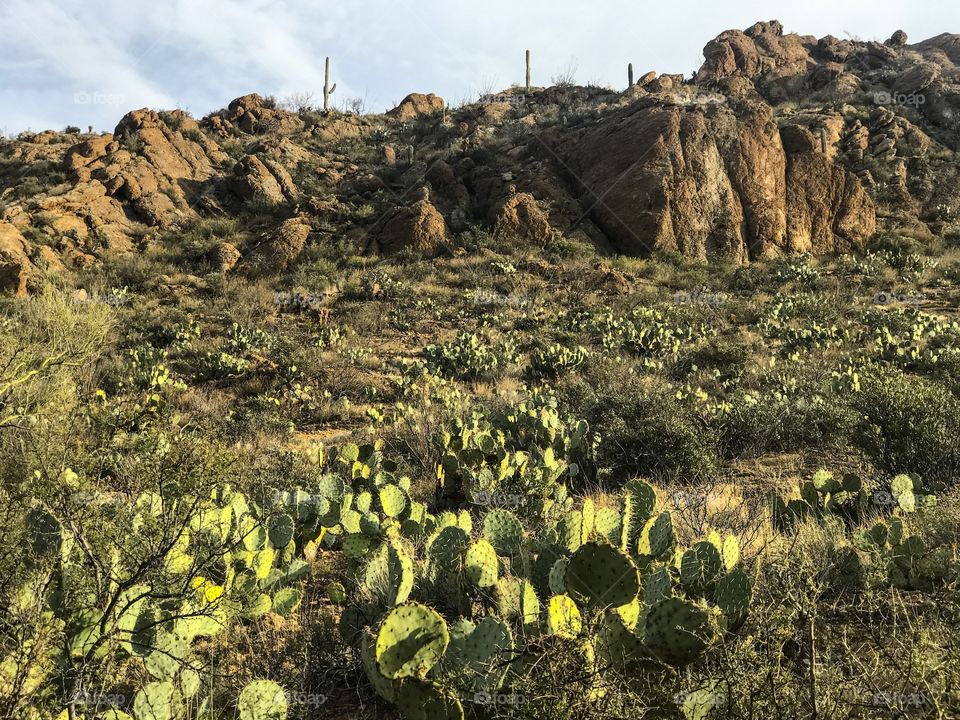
(909, 424)
(47, 347)
(756, 424)
(643, 430)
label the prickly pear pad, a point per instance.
(411, 639)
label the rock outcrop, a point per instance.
(262, 180)
(15, 265)
(419, 226)
(519, 215)
(253, 115)
(415, 105)
(148, 172)
(714, 182)
(779, 143)
(279, 248)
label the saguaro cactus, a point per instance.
(528, 71)
(327, 89)
(630, 75)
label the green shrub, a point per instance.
(643, 430)
(909, 424)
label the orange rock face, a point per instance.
(712, 182)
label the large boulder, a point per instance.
(519, 215)
(149, 171)
(279, 248)
(419, 226)
(828, 209)
(415, 105)
(15, 265)
(760, 49)
(263, 180)
(254, 115)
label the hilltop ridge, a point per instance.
(779, 144)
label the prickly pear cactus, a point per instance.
(732, 595)
(261, 700)
(504, 531)
(517, 600)
(478, 656)
(384, 687)
(606, 525)
(563, 617)
(389, 573)
(280, 529)
(446, 548)
(410, 641)
(656, 539)
(393, 500)
(424, 700)
(558, 576)
(571, 531)
(161, 701)
(657, 585)
(902, 489)
(700, 569)
(639, 502)
(730, 550)
(601, 575)
(480, 564)
(677, 631)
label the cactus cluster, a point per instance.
(846, 498)
(444, 606)
(611, 580)
(555, 360)
(527, 453)
(903, 560)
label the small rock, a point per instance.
(224, 256)
(898, 39)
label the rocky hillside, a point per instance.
(780, 143)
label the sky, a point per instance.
(88, 62)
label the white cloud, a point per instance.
(201, 54)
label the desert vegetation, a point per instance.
(570, 403)
(726, 494)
